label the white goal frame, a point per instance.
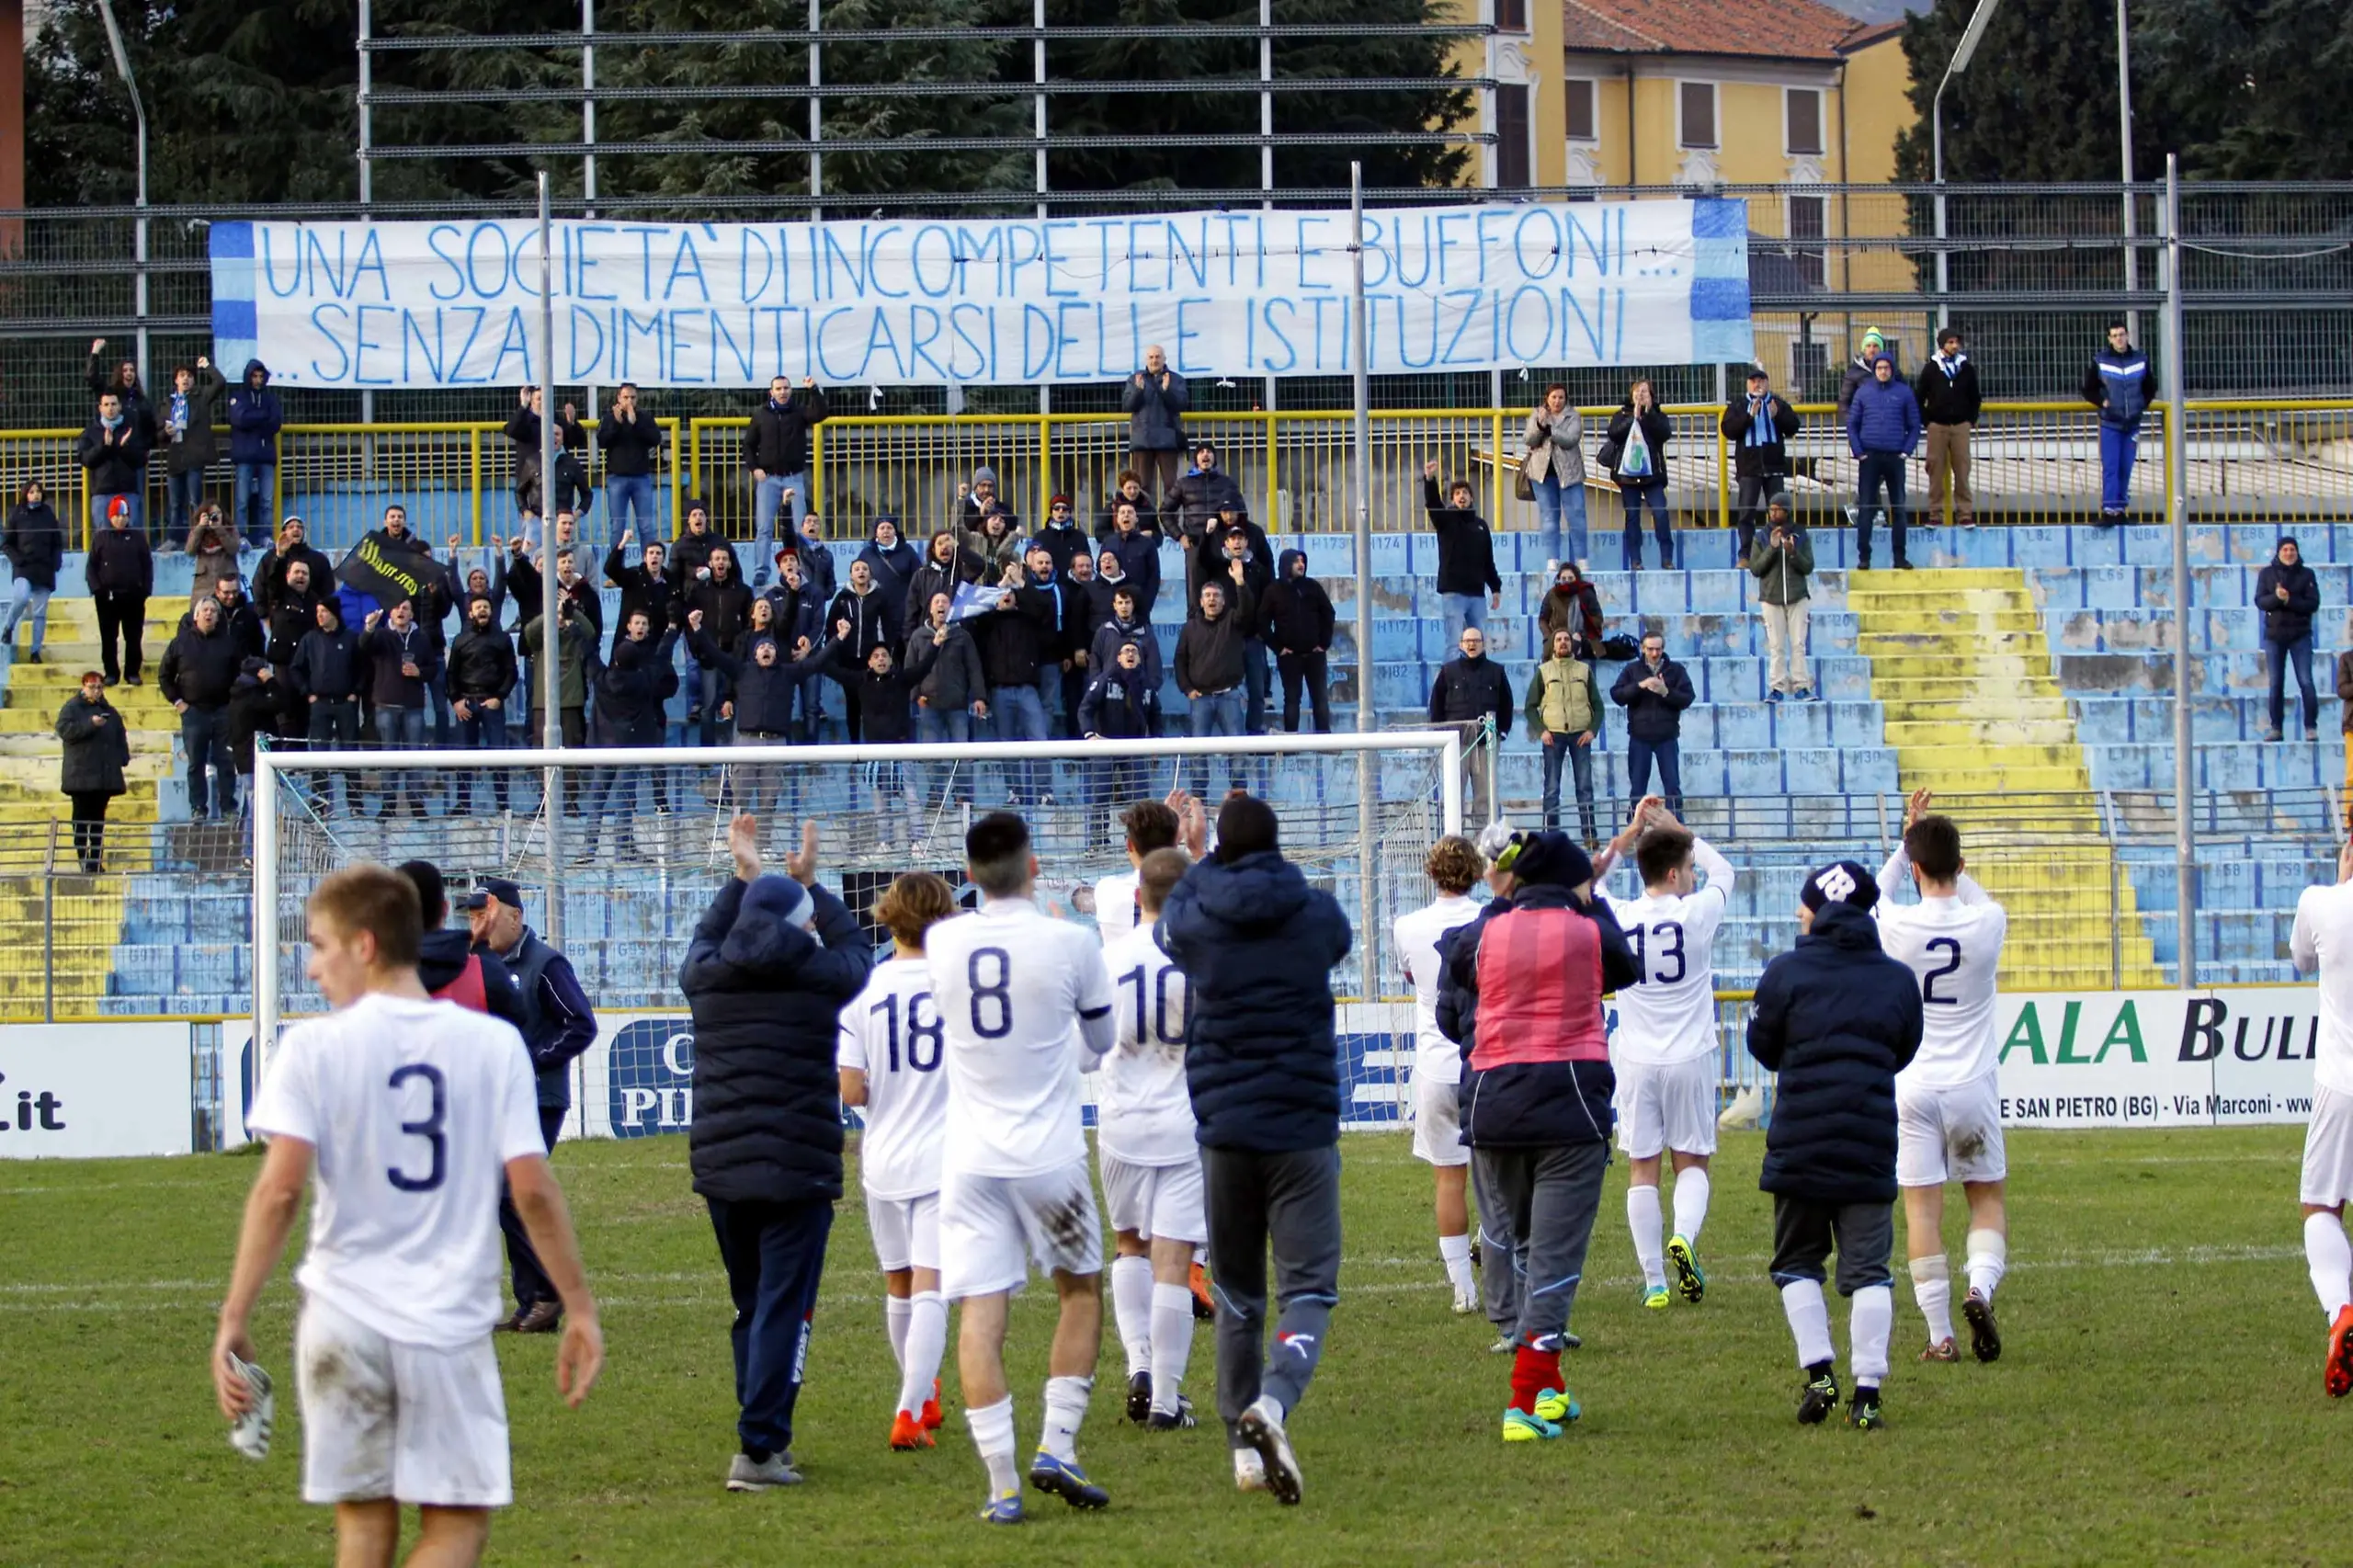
(268, 764)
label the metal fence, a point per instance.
(2032, 463)
(2032, 272)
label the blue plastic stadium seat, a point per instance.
(1718, 593)
(1703, 773)
(1733, 681)
(2219, 768)
(1851, 723)
(2035, 544)
(2227, 884)
(1752, 773)
(1845, 678)
(1744, 726)
(2102, 722)
(1802, 724)
(1867, 770)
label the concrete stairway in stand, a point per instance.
(1961, 664)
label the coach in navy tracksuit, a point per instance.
(1256, 945)
(771, 963)
(1837, 1019)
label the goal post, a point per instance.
(1358, 813)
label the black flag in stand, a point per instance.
(390, 573)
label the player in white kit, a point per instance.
(1145, 1136)
(889, 1055)
(2322, 938)
(1025, 1002)
(409, 1110)
(1454, 867)
(1665, 1052)
(1948, 1102)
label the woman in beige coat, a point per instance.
(1554, 464)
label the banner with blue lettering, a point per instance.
(984, 301)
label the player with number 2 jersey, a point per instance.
(1948, 1102)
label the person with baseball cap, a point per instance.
(1836, 1019)
(558, 1026)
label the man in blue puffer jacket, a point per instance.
(1882, 431)
(1837, 1019)
(771, 963)
(2119, 383)
(1256, 946)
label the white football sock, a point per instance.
(1870, 1320)
(1690, 1203)
(926, 1342)
(2329, 1258)
(1932, 1288)
(1455, 1253)
(992, 1427)
(1132, 1310)
(1065, 1408)
(1987, 1259)
(1172, 1342)
(1649, 1247)
(1809, 1317)
(895, 1313)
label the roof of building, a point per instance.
(1765, 29)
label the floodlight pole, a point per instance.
(1962, 53)
(1359, 345)
(2124, 114)
(138, 234)
(551, 585)
(2185, 842)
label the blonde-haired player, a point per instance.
(2322, 938)
(1454, 867)
(409, 1111)
(1151, 1158)
(1948, 1102)
(889, 1057)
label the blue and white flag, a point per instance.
(974, 599)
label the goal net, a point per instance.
(637, 847)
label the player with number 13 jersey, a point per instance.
(1948, 1102)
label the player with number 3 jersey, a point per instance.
(1026, 1004)
(1665, 1050)
(1948, 1102)
(890, 1057)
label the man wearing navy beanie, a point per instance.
(1837, 1019)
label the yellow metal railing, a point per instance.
(2032, 463)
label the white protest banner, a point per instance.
(84, 1091)
(983, 302)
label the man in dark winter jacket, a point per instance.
(1211, 672)
(2289, 595)
(1299, 620)
(121, 574)
(114, 453)
(237, 615)
(569, 494)
(1837, 1019)
(1137, 547)
(630, 691)
(629, 439)
(186, 429)
(1191, 505)
(772, 962)
(255, 420)
(647, 587)
(1246, 581)
(775, 455)
(1155, 400)
(290, 615)
(404, 670)
(1013, 641)
(1759, 424)
(2119, 383)
(892, 560)
(90, 772)
(1121, 703)
(259, 704)
(446, 960)
(1256, 946)
(1654, 690)
(1882, 432)
(270, 572)
(763, 688)
(1949, 405)
(200, 669)
(482, 673)
(945, 568)
(951, 693)
(1126, 622)
(328, 670)
(863, 618)
(121, 378)
(1061, 534)
(1524, 986)
(1470, 689)
(34, 542)
(726, 607)
(1466, 554)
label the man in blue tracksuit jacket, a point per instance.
(1882, 431)
(1837, 1019)
(2118, 382)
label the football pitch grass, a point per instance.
(2158, 1399)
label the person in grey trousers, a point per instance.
(1256, 945)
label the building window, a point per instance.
(1804, 121)
(1809, 219)
(1511, 137)
(1698, 103)
(1511, 15)
(1583, 114)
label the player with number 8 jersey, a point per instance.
(1949, 1102)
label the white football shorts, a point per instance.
(410, 1422)
(1437, 1123)
(2329, 1150)
(993, 1228)
(1156, 1200)
(1950, 1134)
(905, 1232)
(1671, 1107)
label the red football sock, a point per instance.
(1533, 1371)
